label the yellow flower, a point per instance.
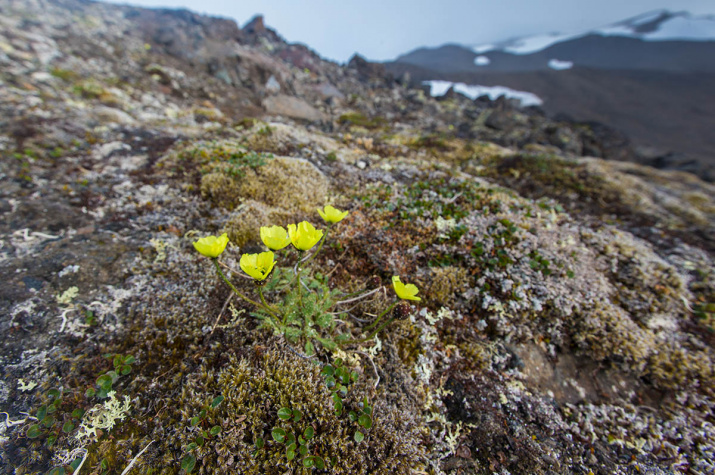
(274, 237)
(304, 236)
(258, 266)
(405, 291)
(332, 215)
(212, 246)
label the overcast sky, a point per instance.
(384, 29)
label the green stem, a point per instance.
(299, 287)
(371, 336)
(381, 315)
(265, 304)
(228, 282)
(322, 241)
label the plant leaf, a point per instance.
(187, 464)
(278, 434)
(217, 400)
(284, 413)
(33, 431)
(365, 421)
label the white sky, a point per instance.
(383, 29)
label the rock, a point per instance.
(273, 86)
(292, 107)
(110, 114)
(255, 26)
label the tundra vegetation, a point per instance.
(494, 301)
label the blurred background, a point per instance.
(646, 68)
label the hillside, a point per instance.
(562, 319)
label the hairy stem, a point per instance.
(236, 291)
(377, 320)
(322, 241)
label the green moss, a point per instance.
(360, 120)
(255, 389)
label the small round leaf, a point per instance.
(215, 430)
(308, 433)
(359, 436)
(278, 434)
(365, 421)
(33, 431)
(217, 400)
(284, 413)
(188, 463)
(67, 427)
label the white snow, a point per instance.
(482, 60)
(483, 48)
(646, 17)
(440, 88)
(680, 26)
(536, 43)
(559, 65)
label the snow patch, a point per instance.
(440, 88)
(483, 48)
(559, 65)
(482, 60)
(536, 43)
(674, 26)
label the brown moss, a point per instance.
(609, 334)
(244, 225)
(289, 183)
(220, 189)
(675, 367)
(445, 283)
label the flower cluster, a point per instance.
(304, 237)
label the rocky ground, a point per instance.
(567, 317)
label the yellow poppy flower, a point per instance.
(332, 215)
(405, 291)
(304, 236)
(258, 266)
(274, 237)
(212, 246)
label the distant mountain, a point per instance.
(650, 76)
(662, 41)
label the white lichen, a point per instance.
(67, 296)
(24, 387)
(102, 416)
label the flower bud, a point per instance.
(403, 310)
